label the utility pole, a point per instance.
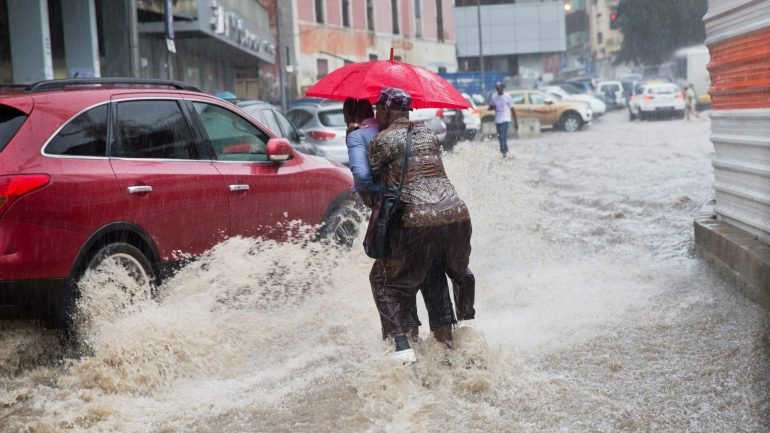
(279, 59)
(481, 50)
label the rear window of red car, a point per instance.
(11, 120)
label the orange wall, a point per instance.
(740, 72)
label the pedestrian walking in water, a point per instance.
(435, 226)
(361, 128)
(690, 104)
(502, 103)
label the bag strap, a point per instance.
(406, 159)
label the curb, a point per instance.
(737, 252)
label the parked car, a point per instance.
(612, 93)
(569, 116)
(431, 119)
(653, 99)
(135, 172)
(572, 95)
(587, 84)
(270, 116)
(471, 118)
(323, 126)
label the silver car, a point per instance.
(323, 126)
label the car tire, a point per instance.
(631, 116)
(342, 225)
(130, 256)
(571, 122)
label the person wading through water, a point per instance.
(361, 129)
(435, 229)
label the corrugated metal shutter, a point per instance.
(738, 37)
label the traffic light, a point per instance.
(614, 24)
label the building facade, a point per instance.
(215, 42)
(605, 40)
(319, 36)
(524, 38)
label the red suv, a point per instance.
(139, 170)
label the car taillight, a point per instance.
(14, 187)
(440, 113)
(679, 95)
(648, 97)
(322, 135)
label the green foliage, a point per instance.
(654, 29)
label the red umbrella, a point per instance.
(365, 80)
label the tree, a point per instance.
(654, 29)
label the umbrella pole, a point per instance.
(391, 54)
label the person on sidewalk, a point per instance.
(361, 128)
(502, 103)
(435, 227)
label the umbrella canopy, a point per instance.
(365, 80)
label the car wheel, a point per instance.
(121, 254)
(571, 122)
(631, 116)
(343, 224)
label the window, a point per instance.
(370, 15)
(345, 13)
(11, 120)
(333, 118)
(373, 57)
(418, 18)
(394, 16)
(440, 20)
(300, 117)
(288, 129)
(270, 122)
(232, 137)
(319, 11)
(153, 129)
(322, 66)
(518, 99)
(85, 135)
(599, 38)
(536, 99)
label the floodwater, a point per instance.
(593, 316)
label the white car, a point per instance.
(654, 99)
(471, 118)
(563, 93)
(612, 92)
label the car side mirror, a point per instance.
(278, 149)
(548, 101)
(300, 134)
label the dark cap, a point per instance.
(395, 99)
(499, 84)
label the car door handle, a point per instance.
(237, 188)
(139, 189)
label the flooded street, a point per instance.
(593, 315)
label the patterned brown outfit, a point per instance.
(436, 227)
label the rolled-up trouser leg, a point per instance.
(397, 278)
(457, 239)
(435, 292)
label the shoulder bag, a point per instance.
(386, 213)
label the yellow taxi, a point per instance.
(550, 113)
